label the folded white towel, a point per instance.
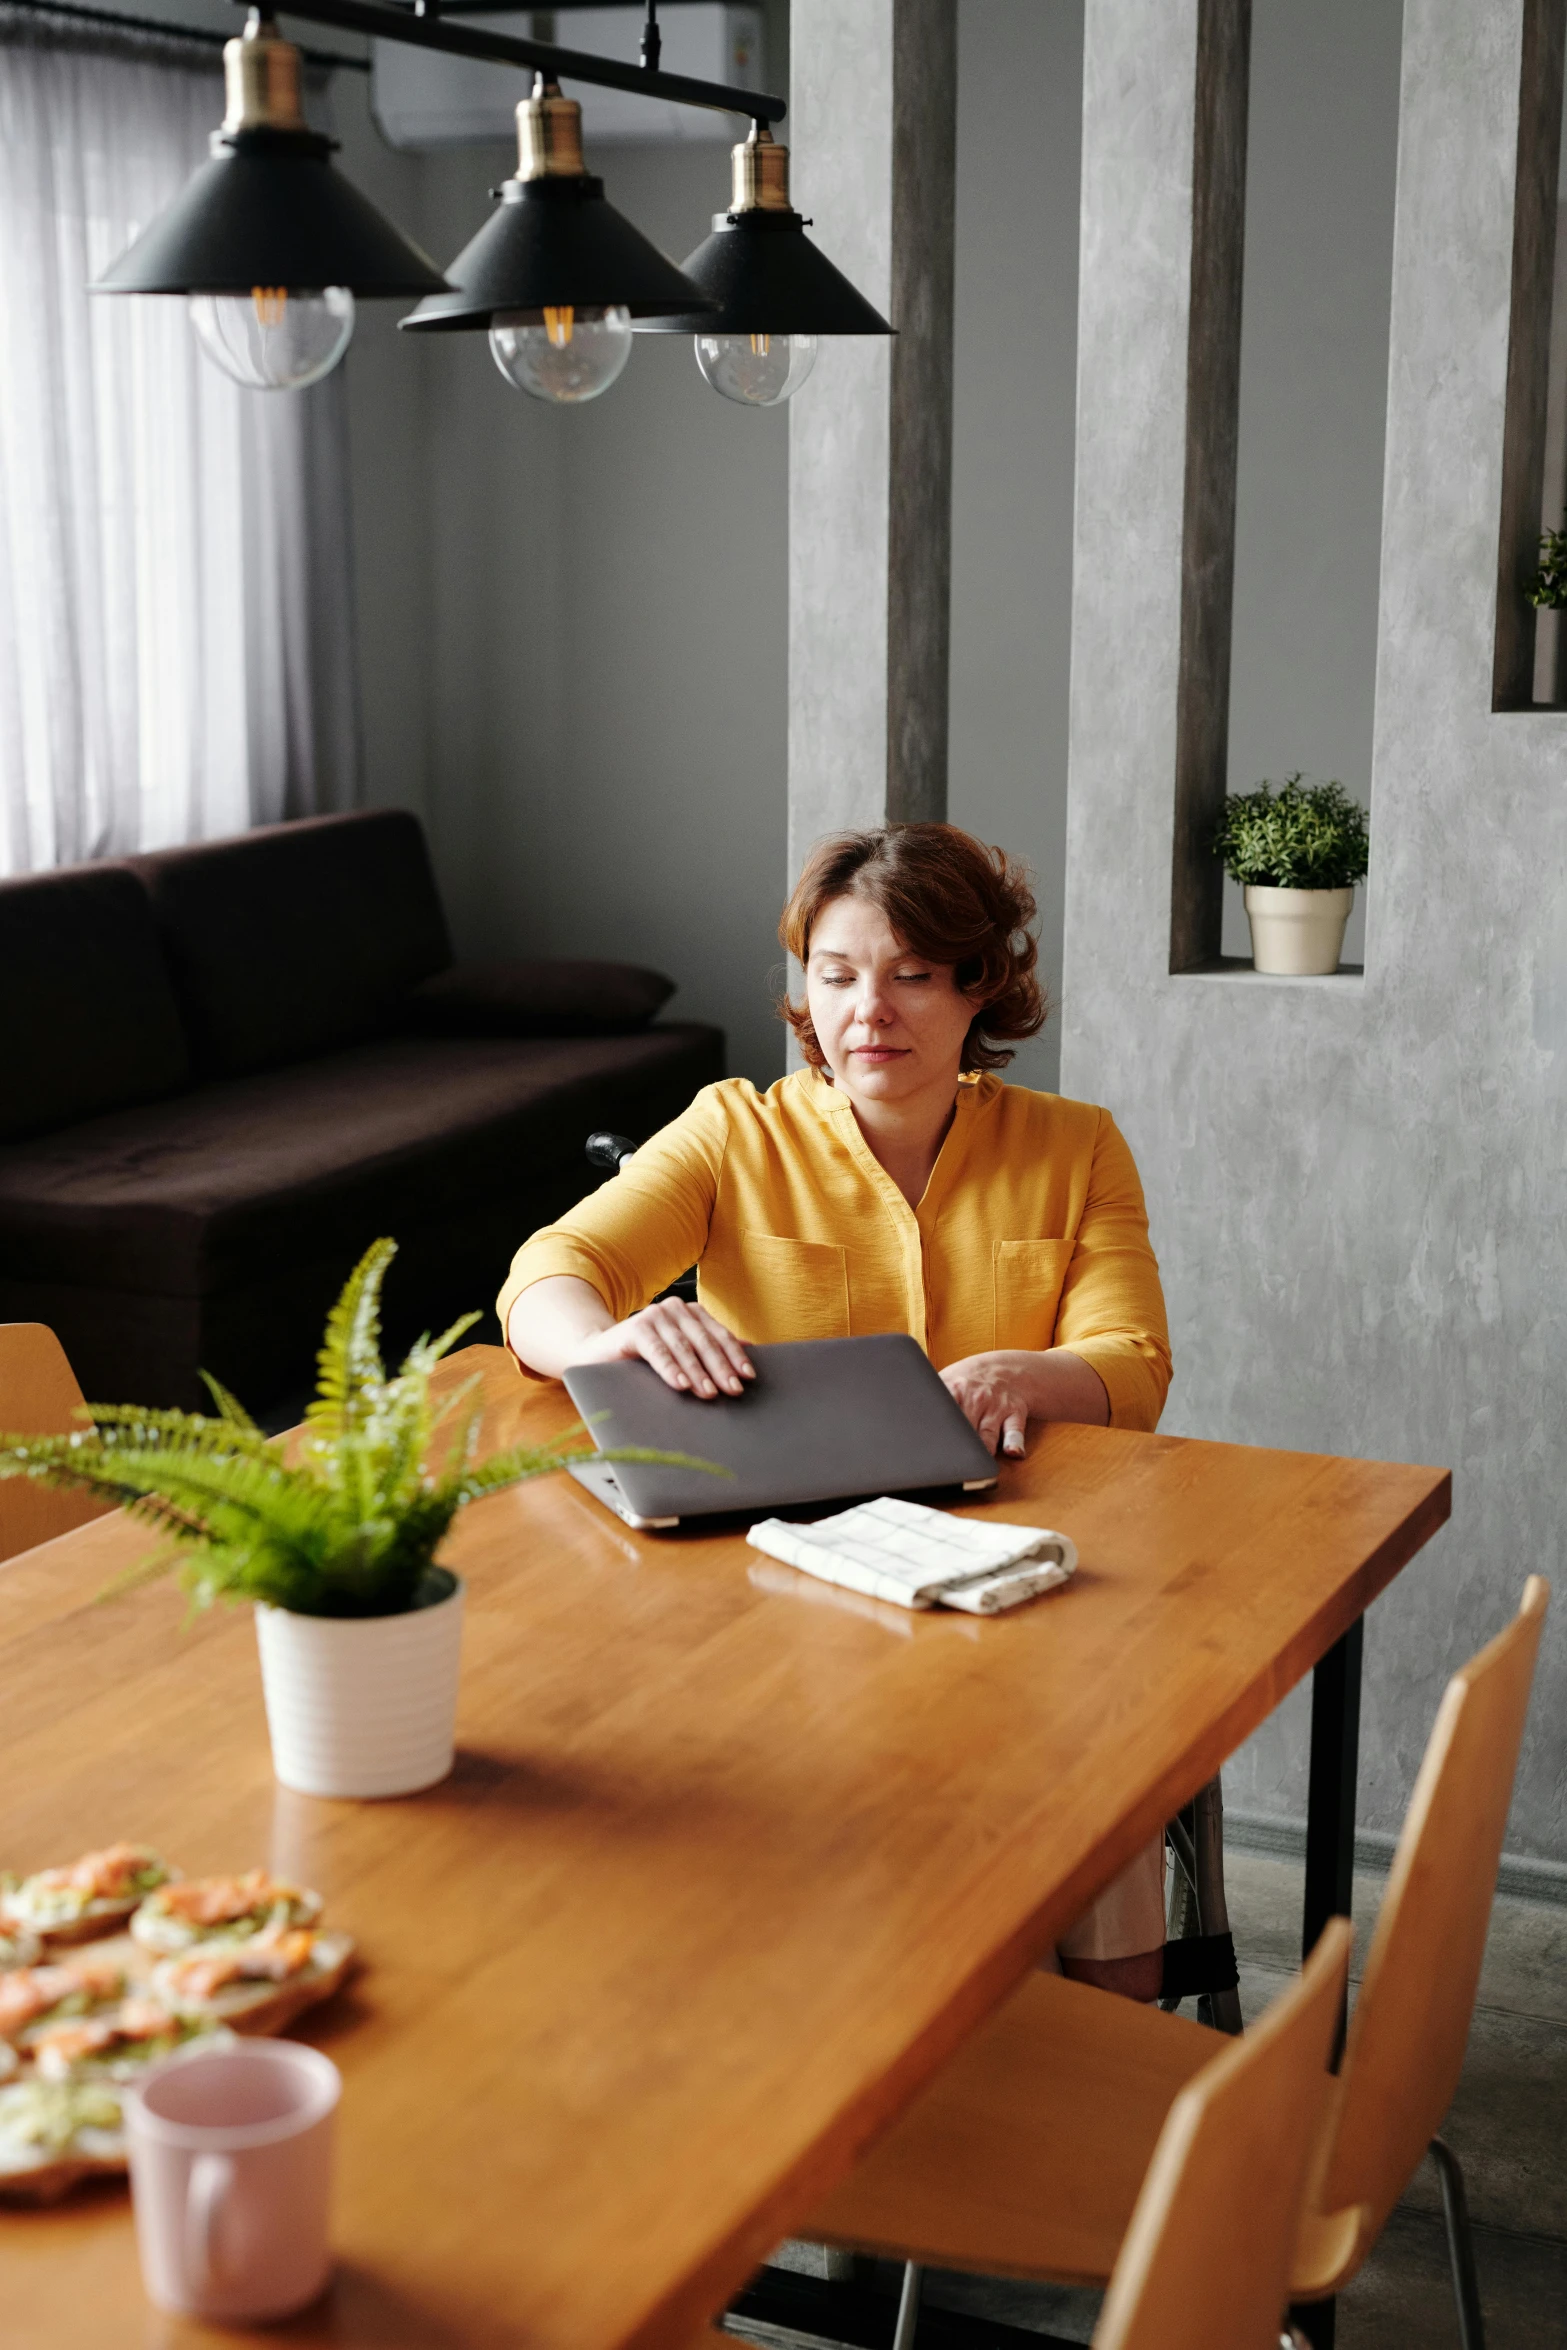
(919, 1557)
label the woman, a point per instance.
(893, 1183)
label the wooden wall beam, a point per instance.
(1528, 347)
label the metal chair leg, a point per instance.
(1460, 2246)
(908, 2306)
(1212, 1906)
(1184, 1919)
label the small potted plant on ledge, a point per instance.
(334, 1539)
(1547, 588)
(1297, 853)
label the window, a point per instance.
(176, 611)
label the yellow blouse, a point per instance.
(1031, 1232)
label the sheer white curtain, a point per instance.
(176, 584)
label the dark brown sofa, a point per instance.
(226, 1069)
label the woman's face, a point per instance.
(891, 1024)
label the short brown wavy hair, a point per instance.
(946, 896)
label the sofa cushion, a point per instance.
(87, 1013)
(221, 1186)
(539, 999)
(298, 938)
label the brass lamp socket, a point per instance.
(761, 173)
(261, 79)
(549, 135)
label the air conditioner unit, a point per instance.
(424, 98)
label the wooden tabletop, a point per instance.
(730, 1860)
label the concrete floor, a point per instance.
(1508, 2126)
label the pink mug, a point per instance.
(231, 2176)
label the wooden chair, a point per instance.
(38, 1397)
(1025, 2157)
(1205, 2264)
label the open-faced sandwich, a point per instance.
(120, 2045)
(182, 1913)
(94, 1895)
(34, 1997)
(257, 1985)
(53, 2133)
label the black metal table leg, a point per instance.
(1330, 1843)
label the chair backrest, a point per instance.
(1411, 2022)
(1205, 2263)
(38, 1397)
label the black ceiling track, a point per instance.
(190, 36)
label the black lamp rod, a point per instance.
(384, 20)
(182, 35)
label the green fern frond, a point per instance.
(144, 1428)
(433, 1349)
(350, 1358)
(230, 1410)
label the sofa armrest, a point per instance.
(538, 999)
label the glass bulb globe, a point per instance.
(759, 371)
(271, 340)
(563, 355)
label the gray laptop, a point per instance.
(825, 1419)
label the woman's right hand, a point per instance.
(683, 1344)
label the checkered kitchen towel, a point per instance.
(919, 1557)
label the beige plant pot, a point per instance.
(362, 1705)
(1297, 933)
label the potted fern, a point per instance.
(1297, 853)
(334, 1539)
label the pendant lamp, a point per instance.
(556, 274)
(772, 292)
(268, 241)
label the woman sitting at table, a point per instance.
(893, 1183)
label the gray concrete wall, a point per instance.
(1356, 1187)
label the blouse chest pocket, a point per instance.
(1027, 1276)
(794, 1289)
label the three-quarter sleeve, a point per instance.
(1112, 1306)
(643, 1227)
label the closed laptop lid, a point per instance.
(823, 1419)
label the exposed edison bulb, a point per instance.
(565, 355)
(271, 340)
(759, 371)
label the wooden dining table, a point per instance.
(729, 1862)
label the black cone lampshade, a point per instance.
(268, 240)
(269, 210)
(764, 276)
(552, 244)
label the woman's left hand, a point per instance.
(994, 1395)
(999, 1393)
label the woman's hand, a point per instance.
(1000, 1393)
(683, 1343)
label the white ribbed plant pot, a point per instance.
(362, 1705)
(1297, 933)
